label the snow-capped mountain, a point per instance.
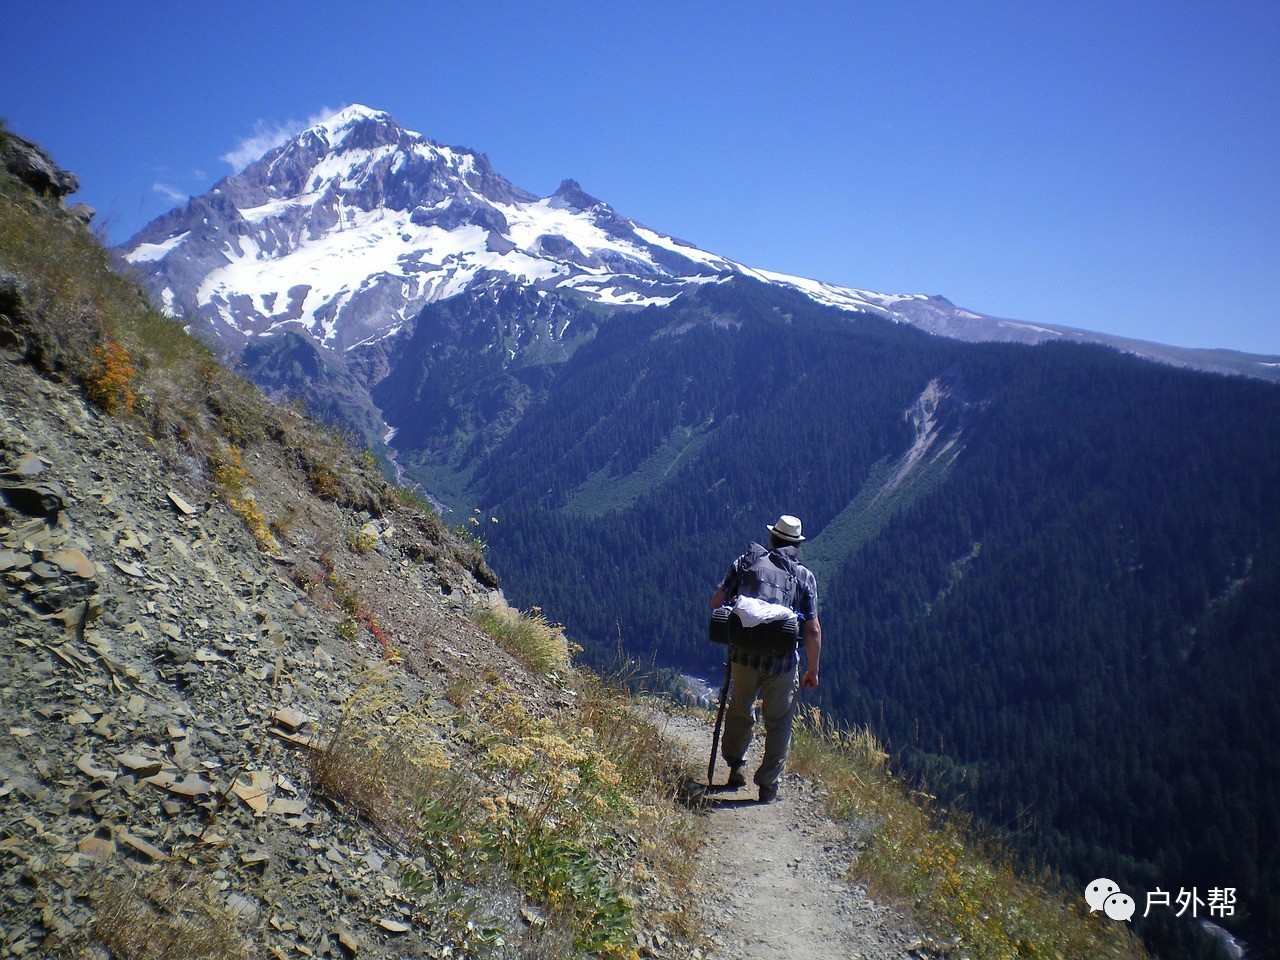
(347, 230)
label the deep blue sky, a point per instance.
(1112, 166)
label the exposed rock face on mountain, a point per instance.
(471, 366)
(30, 164)
(937, 419)
(292, 365)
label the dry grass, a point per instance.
(381, 773)
(573, 812)
(651, 769)
(600, 777)
(647, 761)
(168, 915)
(967, 894)
(529, 637)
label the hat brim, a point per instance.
(782, 536)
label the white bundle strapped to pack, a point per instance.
(752, 611)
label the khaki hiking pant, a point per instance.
(780, 696)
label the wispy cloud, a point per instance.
(267, 134)
(172, 194)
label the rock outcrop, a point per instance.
(30, 164)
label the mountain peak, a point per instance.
(571, 192)
(360, 110)
(338, 127)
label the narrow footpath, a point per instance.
(774, 873)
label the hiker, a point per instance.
(781, 578)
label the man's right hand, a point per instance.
(812, 652)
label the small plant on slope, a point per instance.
(109, 382)
(529, 637)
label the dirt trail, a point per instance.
(774, 873)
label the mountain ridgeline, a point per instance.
(1050, 571)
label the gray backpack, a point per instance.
(767, 575)
(770, 576)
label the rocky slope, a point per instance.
(239, 669)
(166, 681)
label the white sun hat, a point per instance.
(787, 528)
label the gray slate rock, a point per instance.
(30, 164)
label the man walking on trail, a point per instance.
(777, 573)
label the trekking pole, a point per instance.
(715, 737)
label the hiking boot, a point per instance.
(736, 778)
(768, 792)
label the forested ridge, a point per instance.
(1101, 673)
(1067, 622)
